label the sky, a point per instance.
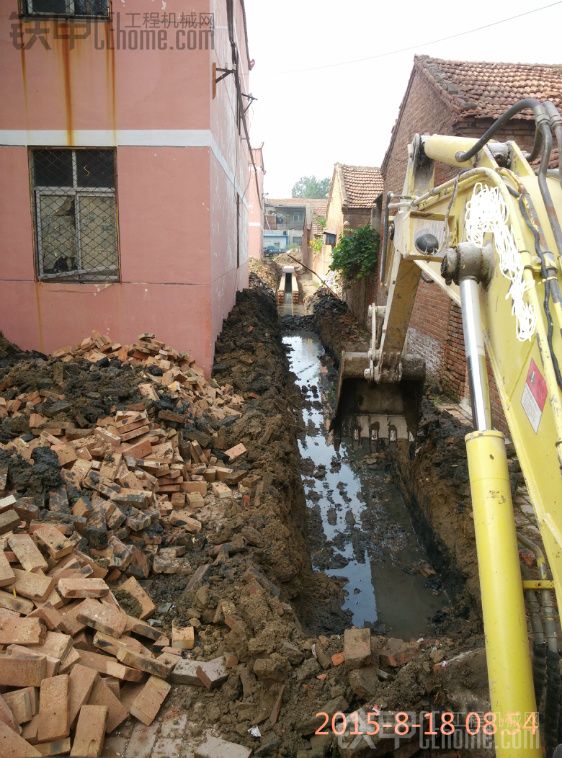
(311, 113)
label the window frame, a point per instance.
(76, 276)
(25, 12)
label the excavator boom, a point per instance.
(490, 237)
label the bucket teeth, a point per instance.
(373, 412)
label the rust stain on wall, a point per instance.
(40, 331)
(110, 74)
(62, 45)
(23, 64)
(65, 47)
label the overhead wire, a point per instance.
(420, 45)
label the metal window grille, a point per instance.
(75, 215)
(66, 7)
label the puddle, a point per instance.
(359, 526)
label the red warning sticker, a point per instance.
(534, 395)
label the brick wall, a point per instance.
(453, 370)
(359, 297)
(426, 336)
(521, 131)
(436, 327)
(422, 113)
(353, 218)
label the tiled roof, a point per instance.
(286, 202)
(316, 210)
(486, 90)
(361, 185)
(477, 89)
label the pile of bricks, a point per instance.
(73, 663)
(180, 377)
(132, 485)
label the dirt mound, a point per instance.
(10, 353)
(290, 258)
(264, 273)
(80, 392)
(337, 326)
(250, 357)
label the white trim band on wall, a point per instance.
(108, 137)
(119, 138)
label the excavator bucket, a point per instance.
(368, 412)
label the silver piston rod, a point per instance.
(475, 354)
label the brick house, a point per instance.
(125, 168)
(459, 98)
(352, 201)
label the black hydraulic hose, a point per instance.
(528, 103)
(556, 124)
(537, 145)
(552, 701)
(545, 273)
(539, 671)
(546, 117)
(558, 132)
(545, 191)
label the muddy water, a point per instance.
(359, 527)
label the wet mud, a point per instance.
(359, 529)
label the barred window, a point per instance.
(66, 7)
(75, 214)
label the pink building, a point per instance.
(126, 169)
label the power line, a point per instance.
(421, 44)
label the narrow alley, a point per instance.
(280, 379)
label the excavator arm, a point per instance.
(490, 238)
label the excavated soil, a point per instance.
(258, 599)
(250, 589)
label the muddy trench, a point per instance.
(359, 529)
(333, 544)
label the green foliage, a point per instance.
(355, 255)
(317, 242)
(310, 186)
(316, 245)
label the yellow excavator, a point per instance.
(491, 238)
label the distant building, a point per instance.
(294, 222)
(284, 222)
(461, 98)
(125, 167)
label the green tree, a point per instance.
(355, 255)
(310, 186)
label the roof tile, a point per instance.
(486, 90)
(362, 185)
